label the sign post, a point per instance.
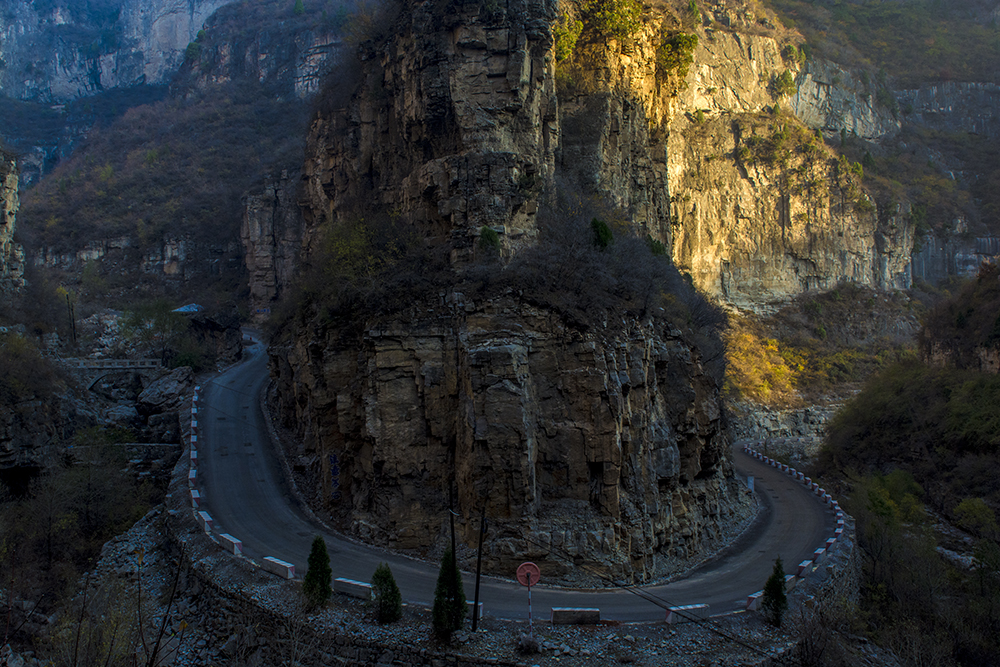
(529, 574)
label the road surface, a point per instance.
(247, 494)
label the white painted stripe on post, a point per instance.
(791, 581)
(278, 567)
(231, 544)
(753, 601)
(804, 567)
(352, 588)
(192, 476)
(194, 440)
(195, 499)
(205, 520)
(687, 613)
(194, 456)
(818, 555)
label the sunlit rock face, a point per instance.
(11, 253)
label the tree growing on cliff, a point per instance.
(449, 598)
(388, 601)
(775, 602)
(316, 586)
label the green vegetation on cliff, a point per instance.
(372, 267)
(915, 42)
(817, 345)
(175, 168)
(968, 325)
(939, 423)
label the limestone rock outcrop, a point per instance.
(763, 212)
(11, 253)
(56, 52)
(605, 445)
(456, 126)
(271, 234)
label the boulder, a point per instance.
(167, 393)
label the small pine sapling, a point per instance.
(449, 598)
(316, 585)
(388, 601)
(775, 602)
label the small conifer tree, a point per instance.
(775, 602)
(601, 233)
(316, 585)
(300, 8)
(388, 601)
(449, 598)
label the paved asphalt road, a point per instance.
(248, 497)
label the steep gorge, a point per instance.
(604, 437)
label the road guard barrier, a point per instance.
(687, 613)
(205, 521)
(278, 567)
(231, 544)
(354, 589)
(806, 566)
(575, 616)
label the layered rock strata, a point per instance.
(271, 234)
(11, 253)
(56, 52)
(599, 446)
(604, 447)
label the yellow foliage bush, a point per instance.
(756, 369)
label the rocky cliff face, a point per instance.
(456, 126)
(608, 445)
(466, 104)
(288, 58)
(271, 234)
(605, 445)
(954, 107)
(764, 211)
(11, 254)
(56, 52)
(760, 210)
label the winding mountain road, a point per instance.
(247, 494)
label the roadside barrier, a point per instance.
(687, 613)
(278, 567)
(354, 589)
(807, 566)
(575, 616)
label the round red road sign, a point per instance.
(528, 574)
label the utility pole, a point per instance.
(451, 516)
(479, 568)
(72, 318)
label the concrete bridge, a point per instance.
(90, 371)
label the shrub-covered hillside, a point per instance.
(818, 346)
(965, 330)
(177, 166)
(914, 42)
